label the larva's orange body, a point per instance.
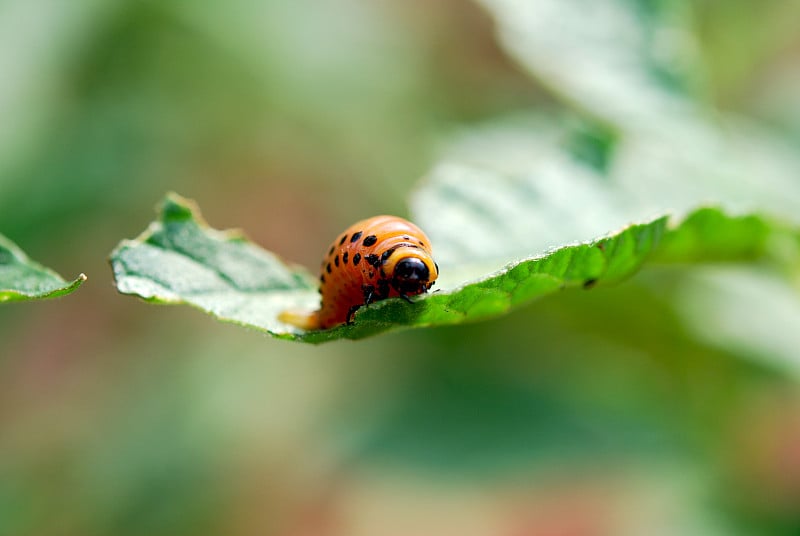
(373, 259)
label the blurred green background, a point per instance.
(587, 413)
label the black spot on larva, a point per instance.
(373, 260)
(322, 278)
(589, 283)
(345, 257)
(406, 237)
(421, 243)
(328, 268)
(336, 260)
(371, 240)
(330, 251)
(356, 258)
(342, 240)
(355, 236)
(386, 254)
(371, 274)
(437, 268)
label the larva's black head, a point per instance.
(411, 276)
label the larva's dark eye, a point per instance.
(411, 269)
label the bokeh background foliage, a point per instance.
(666, 404)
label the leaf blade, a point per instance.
(179, 259)
(22, 279)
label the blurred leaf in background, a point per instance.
(667, 404)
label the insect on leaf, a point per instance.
(180, 259)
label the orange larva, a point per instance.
(373, 259)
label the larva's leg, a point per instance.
(369, 293)
(350, 313)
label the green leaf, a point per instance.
(634, 67)
(23, 279)
(630, 65)
(745, 310)
(179, 259)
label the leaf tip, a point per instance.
(176, 208)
